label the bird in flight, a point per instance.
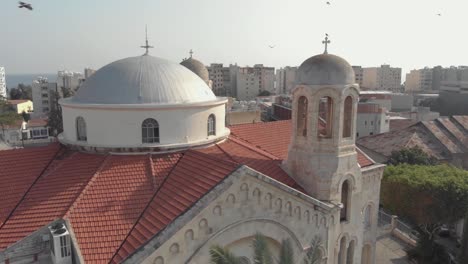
(271, 46)
(439, 14)
(25, 5)
(328, 3)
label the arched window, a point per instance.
(367, 217)
(350, 255)
(344, 201)
(211, 125)
(302, 105)
(325, 120)
(81, 129)
(150, 131)
(366, 254)
(342, 253)
(347, 117)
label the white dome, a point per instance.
(143, 80)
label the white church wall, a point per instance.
(121, 127)
(245, 203)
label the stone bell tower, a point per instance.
(322, 153)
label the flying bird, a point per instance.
(439, 14)
(271, 46)
(328, 3)
(25, 5)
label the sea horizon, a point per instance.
(12, 79)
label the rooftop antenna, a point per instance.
(147, 46)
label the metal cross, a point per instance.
(147, 46)
(326, 42)
(191, 53)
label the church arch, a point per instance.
(211, 125)
(150, 131)
(302, 116)
(350, 253)
(368, 216)
(348, 117)
(346, 191)
(81, 129)
(342, 251)
(231, 233)
(366, 256)
(325, 117)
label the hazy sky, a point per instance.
(73, 34)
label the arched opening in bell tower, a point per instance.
(347, 117)
(345, 201)
(302, 108)
(325, 119)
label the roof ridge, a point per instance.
(146, 207)
(226, 153)
(87, 186)
(234, 162)
(30, 187)
(249, 145)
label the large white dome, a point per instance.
(143, 80)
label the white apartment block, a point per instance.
(418, 80)
(3, 91)
(285, 80)
(266, 76)
(381, 78)
(434, 79)
(223, 79)
(371, 120)
(358, 73)
(69, 80)
(42, 95)
(88, 72)
(248, 85)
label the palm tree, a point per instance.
(263, 255)
(220, 255)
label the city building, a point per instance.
(3, 88)
(223, 79)
(359, 73)
(248, 85)
(21, 133)
(432, 80)
(70, 81)
(372, 120)
(381, 78)
(88, 72)
(242, 112)
(152, 174)
(285, 80)
(43, 95)
(445, 138)
(21, 106)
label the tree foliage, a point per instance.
(55, 121)
(413, 156)
(426, 194)
(263, 255)
(8, 115)
(427, 250)
(220, 255)
(21, 92)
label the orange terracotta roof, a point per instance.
(38, 122)
(15, 102)
(274, 137)
(19, 169)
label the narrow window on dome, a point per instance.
(150, 131)
(325, 119)
(211, 125)
(347, 117)
(302, 105)
(81, 129)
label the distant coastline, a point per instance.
(12, 80)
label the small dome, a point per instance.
(143, 80)
(196, 67)
(325, 69)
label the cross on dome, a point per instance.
(147, 46)
(326, 42)
(191, 53)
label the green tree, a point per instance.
(412, 156)
(286, 255)
(55, 121)
(21, 92)
(8, 115)
(220, 255)
(264, 93)
(262, 254)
